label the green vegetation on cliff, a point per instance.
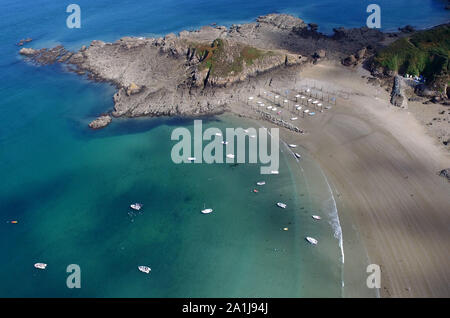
(224, 59)
(424, 53)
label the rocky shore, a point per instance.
(195, 72)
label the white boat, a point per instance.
(136, 206)
(298, 155)
(218, 134)
(282, 205)
(231, 156)
(274, 172)
(261, 183)
(311, 240)
(316, 217)
(252, 136)
(224, 142)
(207, 211)
(191, 158)
(294, 118)
(246, 131)
(40, 265)
(144, 269)
(292, 146)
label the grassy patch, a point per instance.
(425, 52)
(223, 59)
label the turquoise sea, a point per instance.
(70, 188)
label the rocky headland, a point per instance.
(194, 72)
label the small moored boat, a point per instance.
(191, 158)
(316, 217)
(297, 155)
(311, 240)
(207, 211)
(261, 182)
(231, 156)
(282, 205)
(274, 172)
(292, 146)
(144, 269)
(136, 206)
(40, 265)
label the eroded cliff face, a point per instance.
(192, 73)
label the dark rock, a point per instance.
(319, 54)
(445, 173)
(350, 60)
(407, 29)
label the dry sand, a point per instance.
(382, 166)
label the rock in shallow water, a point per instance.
(100, 122)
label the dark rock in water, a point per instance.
(407, 29)
(445, 173)
(100, 122)
(23, 41)
(313, 26)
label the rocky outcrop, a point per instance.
(23, 41)
(407, 29)
(362, 36)
(397, 96)
(356, 58)
(445, 173)
(100, 122)
(28, 51)
(193, 72)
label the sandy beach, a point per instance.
(382, 165)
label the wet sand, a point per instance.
(382, 166)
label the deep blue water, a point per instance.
(69, 187)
